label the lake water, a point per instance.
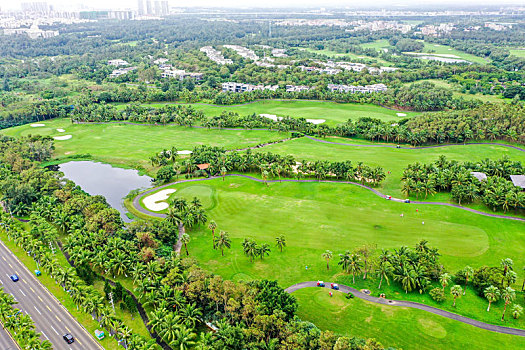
(103, 179)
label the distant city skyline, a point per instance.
(133, 4)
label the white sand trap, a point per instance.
(315, 121)
(436, 45)
(271, 116)
(61, 130)
(37, 125)
(401, 114)
(156, 202)
(184, 152)
(62, 138)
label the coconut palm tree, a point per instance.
(444, 280)
(506, 265)
(264, 249)
(456, 291)
(223, 241)
(517, 311)
(468, 271)
(508, 294)
(354, 266)
(185, 239)
(212, 226)
(280, 242)
(383, 271)
(327, 255)
(190, 314)
(184, 339)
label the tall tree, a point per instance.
(280, 242)
(327, 255)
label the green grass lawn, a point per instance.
(390, 159)
(133, 145)
(394, 326)
(349, 55)
(518, 52)
(377, 45)
(319, 216)
(334, 113)
(440, 50)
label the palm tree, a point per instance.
(506, 265)
(517, 310)
(212, 226)
(508, 294)
(444, 280)
(327, 255)
(354, 265)
(190, 314)
(184, 339)
(456, 291)
(468, 271)
(264, 249)
(280, 242)
(264, 175)
(383, 271)
(223, 172)
(223, 241)
(185, 239)
(406, 278)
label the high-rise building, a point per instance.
(149, 9)
(141, 7)
(37, 7)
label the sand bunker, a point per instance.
(271, 116)
(62, 138)
(184, 152)
(401, 114)
(37, 125)
(156, 202)
(315, 121)
(61, 130)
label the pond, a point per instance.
(103, 179)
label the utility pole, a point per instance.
(52, 247)
(111, 300)
(269, 29)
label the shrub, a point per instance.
(438, 295)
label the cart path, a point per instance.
(139, 208)
(414, 305)
(416, 147)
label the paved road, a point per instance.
(6, 343)
(138, 207)
(411, 304)
(51, 319)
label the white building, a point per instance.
(215, 55)
(117, 63)
(121, 71)
(357, 89)
(181, 74)
(297, 88)
(240, 87)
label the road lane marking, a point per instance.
(40, 298)
(24, 281)
(1, 282)
(45, 335)
(22, 292)
(10, 265)
(37, 310)
(59, 320)
(49, 308)
(79, 342)
(32, 289)
(3, 257)
(55, 330)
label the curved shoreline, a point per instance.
(139, 208)
(411, 304)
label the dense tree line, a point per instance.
(496, 192)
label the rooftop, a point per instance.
(518, 180)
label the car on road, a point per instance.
(320, 284)
(334, 286)
(69, 338)
(14, 278)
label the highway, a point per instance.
(6, 343)
(51, 319)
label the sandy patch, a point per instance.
(315, 121)
(37, 125)
(156, 202)
(271, 116)
(184, 152)
(436, 45)
(61, 130)
(62, 138)
(401, 114)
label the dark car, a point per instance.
(320, 284)
(334, 286)
(69, 338)
(14, 278)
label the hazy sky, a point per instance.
(14, 4)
